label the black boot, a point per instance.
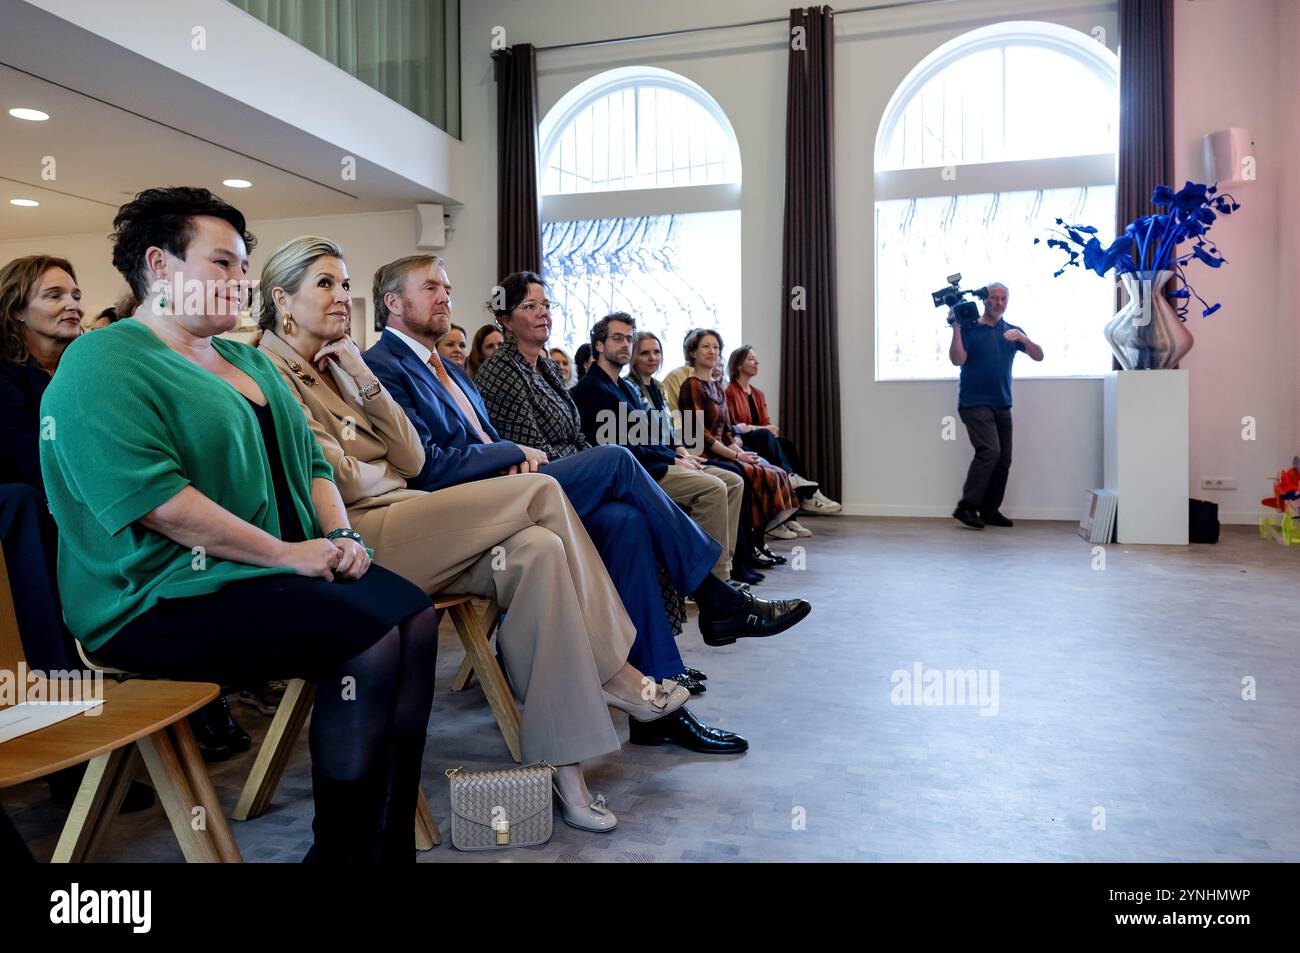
(406, 765)
(349, 817)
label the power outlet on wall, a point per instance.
(1218, 483)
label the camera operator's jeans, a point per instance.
(990, 434)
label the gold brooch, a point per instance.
(300, 374)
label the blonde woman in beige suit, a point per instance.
(566, 636)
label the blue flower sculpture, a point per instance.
(1150, 242)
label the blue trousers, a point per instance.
(633, 523)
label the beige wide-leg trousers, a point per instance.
(712, 498)
(518, 540)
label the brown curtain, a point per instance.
(810, 374)
(1146, 104)
(1146, 110)
(519, 227)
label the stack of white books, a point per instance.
(1098, 523)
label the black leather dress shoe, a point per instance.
(759, 561)
(683, 728)
(757, 618)
(218, 734)
(692, 685)
(776, 558)
(213, 745)
(968, 517)
(696, 674)
(995, 518)
(239, 740)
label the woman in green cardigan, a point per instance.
(202, 536)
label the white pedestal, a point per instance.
(1146, 454)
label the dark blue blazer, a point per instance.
(453, 452)
(597, 394)
(21, 388)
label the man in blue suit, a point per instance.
(606, 486)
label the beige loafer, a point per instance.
(669, 696)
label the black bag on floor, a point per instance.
(1203, 521)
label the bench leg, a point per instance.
(426, 828)
(196, 773)
(463, 674)
(488, 623)
(474, 636)
(189, 819)
(98, 800)
(273, 755)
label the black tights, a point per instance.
(367, 746)
(380, 696)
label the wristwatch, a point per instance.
(345, 532)
(371, 390)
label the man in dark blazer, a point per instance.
(613, 412)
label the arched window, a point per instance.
(986, 142)
(641, 208)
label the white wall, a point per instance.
(369, 239)
(894, 460)
(1234, 67)
(246, 60)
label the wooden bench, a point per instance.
(138, 719)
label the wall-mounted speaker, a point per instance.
(1229, 157)
(430, 227)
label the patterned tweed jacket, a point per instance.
(530, 407)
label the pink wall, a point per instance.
(1289, 246)
(1233, 67)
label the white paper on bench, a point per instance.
(26, 717)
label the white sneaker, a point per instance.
(820, 505)
(783, 532)
(797, 528)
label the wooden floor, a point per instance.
(1117, 732)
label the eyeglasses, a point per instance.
(620, 338)
(530, 306)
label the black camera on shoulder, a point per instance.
(964, 313)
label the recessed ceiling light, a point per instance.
(237, 183)
(24, 203)
(33, 115)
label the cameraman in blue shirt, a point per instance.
(984, 352)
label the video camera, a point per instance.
(964, 313)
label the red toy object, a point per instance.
(1286, 491)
